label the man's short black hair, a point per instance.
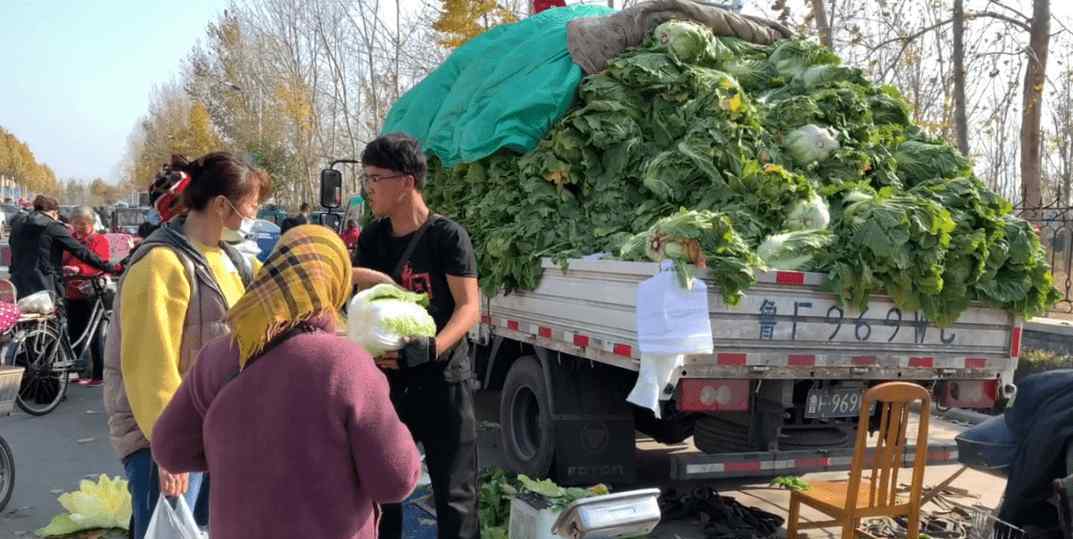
(398, 152)
(304, 207)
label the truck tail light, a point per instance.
(703, 395)
(970, 393)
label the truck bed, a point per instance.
(786, 327)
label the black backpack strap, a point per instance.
(410, 247)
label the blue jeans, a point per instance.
(144, 485)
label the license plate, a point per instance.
(837, 402)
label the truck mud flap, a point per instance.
(771, 464)
(594, 429)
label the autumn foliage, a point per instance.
(463, 20)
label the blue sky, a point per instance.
(77, 74)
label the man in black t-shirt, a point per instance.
(430, 378)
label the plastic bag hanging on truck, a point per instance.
(672, 321)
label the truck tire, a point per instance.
(526, 429)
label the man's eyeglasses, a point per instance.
(367, 180)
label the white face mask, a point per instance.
(245, 228)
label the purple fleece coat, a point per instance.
(303, 443)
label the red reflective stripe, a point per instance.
(864, 360)
(749, 466)
(939, 455)
(819, 462)
(975, 363)
(1015, 343)
(790, 277)
(801, 360)
(623, 350)
(485, 319)
(581, 340)
(544, 332)
(730, 359)
(922, 362)
(512, 325)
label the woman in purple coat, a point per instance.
(292, 422)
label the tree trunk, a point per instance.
(823, 27)
(1032, 104)
(398, 44)
(961, 118)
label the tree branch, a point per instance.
(998, 16)
(906, 40)
(1010, 9)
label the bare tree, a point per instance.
(1032, 107)
(961, 119)
(823, 26)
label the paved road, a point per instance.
(53, 453)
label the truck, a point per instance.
(780, 394)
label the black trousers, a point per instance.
(439, 413)
(79, 312)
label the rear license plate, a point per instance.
(834, 402)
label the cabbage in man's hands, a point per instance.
(385, 317)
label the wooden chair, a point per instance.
(847, 502)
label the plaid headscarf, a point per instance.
(307, 278)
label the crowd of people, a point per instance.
(225, 380)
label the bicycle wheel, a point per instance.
(7, 473)
(45, 380)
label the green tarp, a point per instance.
(503, 89)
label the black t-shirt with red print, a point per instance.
(444, 249)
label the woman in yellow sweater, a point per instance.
(173, 299)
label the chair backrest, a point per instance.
(893, 400)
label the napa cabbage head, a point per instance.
(811, 143)
(691, 43)
(808, 213)
(385, 318)
(104, 504)
(794, 251)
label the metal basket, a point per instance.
(985, 525)
(10, 379)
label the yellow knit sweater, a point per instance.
(156, 292)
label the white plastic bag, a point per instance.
(672, 321)
(173, 523)
(37, 303)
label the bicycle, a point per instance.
(9, 383)
(42, 345)
(7, 473)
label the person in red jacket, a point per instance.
(79, 305)
(351, 234)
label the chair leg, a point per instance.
(913, 529)
(795, 514)
(849, 529)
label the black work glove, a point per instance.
(418, 352)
